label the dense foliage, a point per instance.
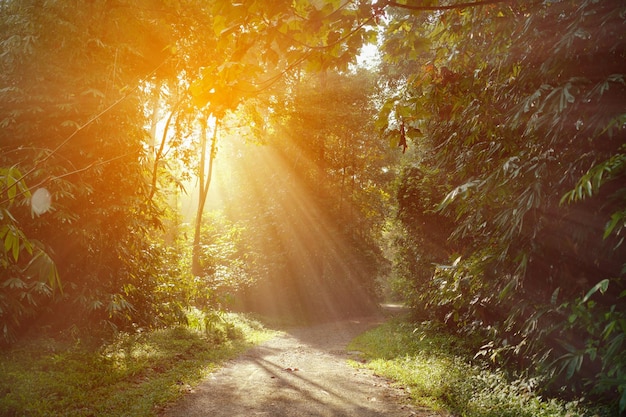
(509, 209)
(513, 206)
(68, 127)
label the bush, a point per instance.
(439, 371)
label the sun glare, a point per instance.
(369, 56)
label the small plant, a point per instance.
(604, 332)
(233, 332)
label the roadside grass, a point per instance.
(438, 371)
(133, 375)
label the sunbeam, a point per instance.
(316, 272)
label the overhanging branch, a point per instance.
(444, 7)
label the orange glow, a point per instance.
(256, 184)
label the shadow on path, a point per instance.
(301, 373)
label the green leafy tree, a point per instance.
(73, 123)
(518, 109)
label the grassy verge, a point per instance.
(438, 372)
(135, 375)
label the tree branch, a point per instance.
(446, 7)
(159, 153)
(67, 174)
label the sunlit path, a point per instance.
(301, 373)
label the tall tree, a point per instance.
(205, 174)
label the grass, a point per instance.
(134, 375)
(438, 371)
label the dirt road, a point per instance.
(301, 373)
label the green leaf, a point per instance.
(608, 329)
(588, 188)
(568, 197)
(382, 121)
(16, 249)
(506, 290)
(575, 363)
(615, 219)
(45, 269)
(614, 346)
(555, 296)
(8, 239)
(601, 286)
(404, 111)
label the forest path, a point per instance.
(303, 372)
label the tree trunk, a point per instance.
(205, 181)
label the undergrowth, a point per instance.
(439, 372)
(132, 375)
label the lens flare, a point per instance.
(40, 202)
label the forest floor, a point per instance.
(302, 372)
